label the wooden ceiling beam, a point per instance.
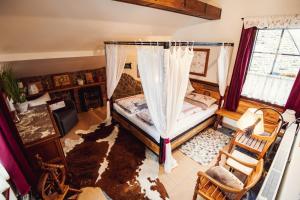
(187, 7)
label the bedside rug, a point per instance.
(205, 146)
(112, 159)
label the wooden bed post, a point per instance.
(161, 151)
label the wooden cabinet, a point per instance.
(39, 136)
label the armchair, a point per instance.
(65, 114)
(210, 188)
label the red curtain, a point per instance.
(293, 101)
(12, 156)
(240, 68)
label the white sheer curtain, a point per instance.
(269, 88)
(223, 67)
(115, 61)
(177, 74)
(152, 73)
(164, 76)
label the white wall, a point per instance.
(228, 28)
(132, 58)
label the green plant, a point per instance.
(10, 85)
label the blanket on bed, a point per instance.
(187, 110)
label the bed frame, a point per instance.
(128, 87)
(151, 143)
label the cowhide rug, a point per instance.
(111, 158)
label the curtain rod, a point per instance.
(170, 43)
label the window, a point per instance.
(274, 65)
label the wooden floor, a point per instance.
(179, 183)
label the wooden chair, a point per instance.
(211, 189)
(51, 185)
(257, 144)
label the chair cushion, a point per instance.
(238, 166)
(225, 177)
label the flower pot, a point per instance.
(21, 107)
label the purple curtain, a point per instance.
(293, 101)
(240, 68)
(12, 156)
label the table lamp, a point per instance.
(252, 122)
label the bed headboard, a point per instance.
(127, 86)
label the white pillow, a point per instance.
(190, 88)
(39, 101)
(206, 100)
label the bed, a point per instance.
(193, 119)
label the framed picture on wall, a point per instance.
(61, 80)
(127, 66)
(200, 62)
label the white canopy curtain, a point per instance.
(115, 61)
(223, 67)
(164, 76)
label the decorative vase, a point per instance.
(80, 82)
(21, 107)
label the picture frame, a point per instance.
(200, 62)
(127, 66)
(89, 77)
(61, 80)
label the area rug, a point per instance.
(112, 159)
(205, 146)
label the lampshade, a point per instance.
(249, 118)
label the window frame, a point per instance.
(270, 53)
(273, 65)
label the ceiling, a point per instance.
(78, 25)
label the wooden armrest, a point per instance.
(218, 184)
(265, 138)
(251, 165)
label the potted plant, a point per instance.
(10, 86)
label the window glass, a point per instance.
(262, 63)
(267, 41)
(287, 65)
(288, 45)
(276, 52)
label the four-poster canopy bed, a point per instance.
(164, 77)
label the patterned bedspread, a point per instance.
(137, 105)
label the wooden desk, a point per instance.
(40, 137)
(269, 125)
